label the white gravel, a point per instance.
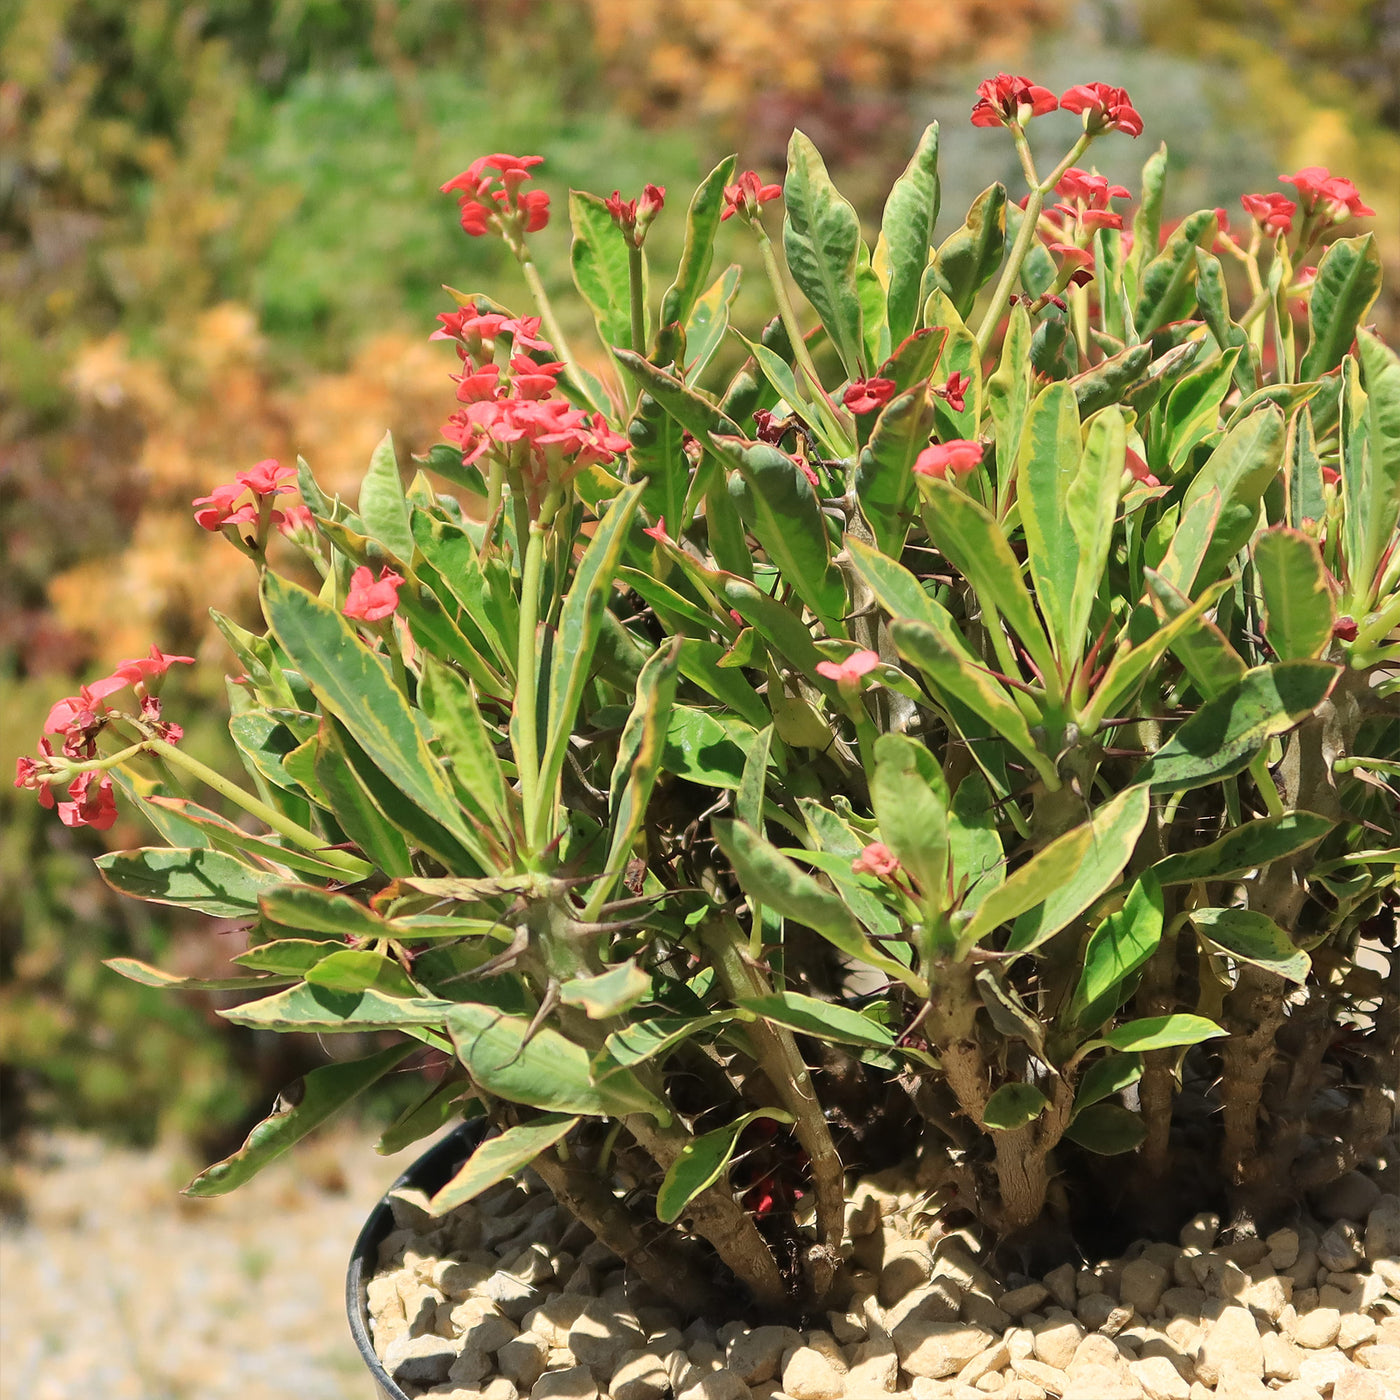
(115, 1287)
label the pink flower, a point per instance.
(1139, 470)
(297, 520)
(1273, 212)
(876, 859)
(658, 531)
(634, 216)
(954, 457)
(1006, 99)
(219, 508)
(268, 479)
(745, 197)
(487, 201)
(1092, 190)
(85, 711)
(1319, 189)
(370, 600)
(849, 671)
(866, 395)
(1105, 108)
(97, 809)
(150, 668)
(954, 392)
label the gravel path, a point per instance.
(117, 1288)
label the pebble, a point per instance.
(1315, 1329)
(420, 1360)
(1027, 1298)
(755, 1356)
(1281, 1358)
(1383, 1230)
(1340, 1248)
(575, 1383)
(1159, 1379)
(1141, 1286)
(1056, 1340)
(937, 1349)
(1283, 1248)
(809, 1374)
(1231, 1340)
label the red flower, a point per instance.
(633, 216)
(1105, 108)
(1139, 470)
(876, 859)
(371, 600)
(943, 458)
(1344, 629)
(1273, 212)
(1319, 189)
(84, 711)
(866, 395)
(849, 671)
(658, 531)
(297, 520)
(745, 197)
(484, 198)
(97, 809)
(151, 668)
(954, 392)
(219, 509)
(268, 479)
(1093, 190)
(1006, 99)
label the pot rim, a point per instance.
(435, 1168)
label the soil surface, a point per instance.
(115, 1287)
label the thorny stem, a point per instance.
(309, 841)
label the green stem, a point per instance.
(842, 436)
(550, 322)
(637, 286)
(1077, 150)
(309, 841)
(1024, 238)
(524, 738)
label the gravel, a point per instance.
(115, 1287)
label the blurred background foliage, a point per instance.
(220, 240)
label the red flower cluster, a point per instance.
(1088, 197)
(1272, 212)
(745, 197)
(1006, 99)
(948, 458)
(954, 391)
(78, 720)
(1319, 191)
(369, 599)
(497, 201)
(242, 501)
(517, 405)
(1104, 108)
(866, 395)
(634, 216)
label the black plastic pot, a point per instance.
(435, 1168)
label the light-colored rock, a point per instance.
(521, 1360)
(1217, 1276)
(848, 1327)
(1340, 1248)
(1056, 1340)
(1320, 1369)
(1183, 1302)
(532, 1264)
(472, 1365)
(1238, 1383)
(1357, 1384)
(1050, 1379)
(995, 1358)
(1377, 1356)
(938, 1349)
(1101, 1383)
(575, 1383)
(1387, 1270)
(1200, 1232)
(717, 1385)
(500, 1389)
(1020, 1343)
(979, 1310)
(1283, 1248)
(1266, 1295)
(810, 1375)
(486, 1332)
(874, 1368)
(1099, 1312)
(1231, 1340)
(908, 1265)
(1281, 1358)
(1296, 1390)
(1159, 1379)
(1356, 1330)
(553, 1318)
(422, 1360)
(1019, 1301)
(1141, 1286)
(603, 1334)
(756, 1356)
(514, 1298)
(1383, 1230)
(1314, 1329)
(939, 1301)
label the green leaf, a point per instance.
(1108, 1129)
(821, 240)
(701, 749)
(1298, 611)
(1213, 301)
(823, 1019)
(195, 878)
(499, 1157)
(544, 1070)
(1120, 945)
(134, 970)
(693, 411)
(910, 798)
(906, 234)
(1009, 393)
(310, 910)
(709, 321)
(976, 546)
(1306, 499)
(748, 801)
(969, 257)
(1373, 492)
(657, 453)
(977, 859)
(1007, 1012)
(702, 220)
(355, 685)
(302, 1106)
(884, 473)
(264, 742)
(355, 810)
(781, 507)
(358, 970)
(1194, 405)
(434, 1111)
(1105, 383)
(1109, 1075)
(1211, 662)
(1244, 849)
(1166, 289)
(701, 1163)
(1254, 938)
(1162, 1032)
(1091, 505)
(450, 706)
(961, 355)
(1013, 1106)
(782, 885)
(1245, 462)
(648, 1040)
(382, 506)
(292, 957)
(1113, 833)
(1347, 285)
(598, 257)
(1223, 736)
(1147, 222)
(608, 994)
(327, 1011)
